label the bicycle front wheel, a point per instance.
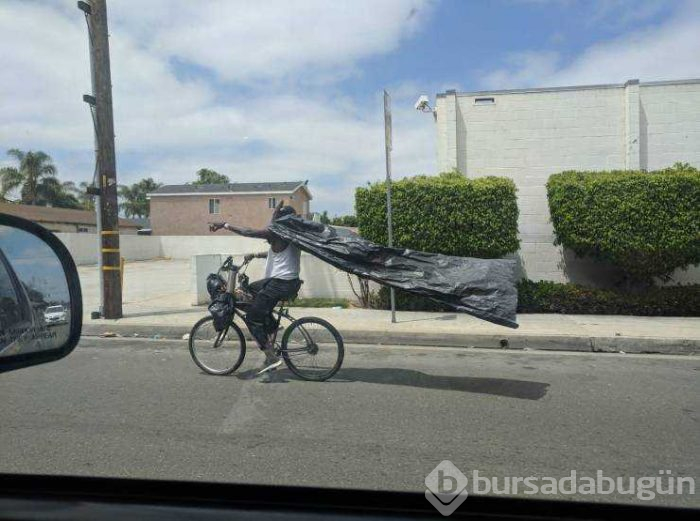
(217, 352)
(312, 349)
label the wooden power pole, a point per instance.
(96, 15)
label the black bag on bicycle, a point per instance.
(215, 284)
(222, 303)
(221, 308)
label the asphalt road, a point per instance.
(137, 408)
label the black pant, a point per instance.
(267, 293)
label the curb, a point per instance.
(616, 344)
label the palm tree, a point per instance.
(35, 169)
(51, 192)
(86, 201)
(130, 200)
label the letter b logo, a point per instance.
(446, 484)
(446, 487)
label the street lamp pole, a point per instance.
(387, 149)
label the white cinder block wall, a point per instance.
(529, 134)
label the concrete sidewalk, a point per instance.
(157, 297)
(594, 333)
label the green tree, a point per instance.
(51, 192)
(79, 191)
(206, 176)
(34, 170)
(324, 217)
(134, 202)
(345, 220)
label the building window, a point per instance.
(214, 206)
(484, 101)
(291, 197)
(271, 202)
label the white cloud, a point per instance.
(169, 122)
(667, 51)
(247, 40)
(523, 69)
(336, 148)
(622, 13)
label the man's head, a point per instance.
(283, 210)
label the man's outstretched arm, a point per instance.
(248, 232)
(240, 230)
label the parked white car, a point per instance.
(55, 315)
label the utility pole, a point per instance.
(96, 17)
(387, 150)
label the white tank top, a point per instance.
(283, 264)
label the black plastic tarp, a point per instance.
(484, 288)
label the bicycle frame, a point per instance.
(281, 312)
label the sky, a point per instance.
(284, 90)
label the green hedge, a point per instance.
(552, 297)
(408, 301)
(647, 224)
(447, 214)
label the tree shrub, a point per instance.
(573, 299)
(448, 214)
(647, 224)
(552, 297)
(344, 220)
(407, 301)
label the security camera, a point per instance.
(423, 104)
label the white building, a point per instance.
(529, 134)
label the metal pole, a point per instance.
(387, 148)
(95, 192)
(106, 161)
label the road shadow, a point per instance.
(521, 389)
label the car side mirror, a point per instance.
(41, 310)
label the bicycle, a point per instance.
(310, 347)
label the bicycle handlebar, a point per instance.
(228, 264)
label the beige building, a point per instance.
(187, 209)
(63, 219)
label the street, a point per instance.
(141, 408)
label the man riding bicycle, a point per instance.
(281, 282)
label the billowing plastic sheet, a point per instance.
(484, 288)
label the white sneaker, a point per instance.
(272, 361)
(270, 366)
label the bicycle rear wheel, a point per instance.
(217, 352)
(312, 349)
